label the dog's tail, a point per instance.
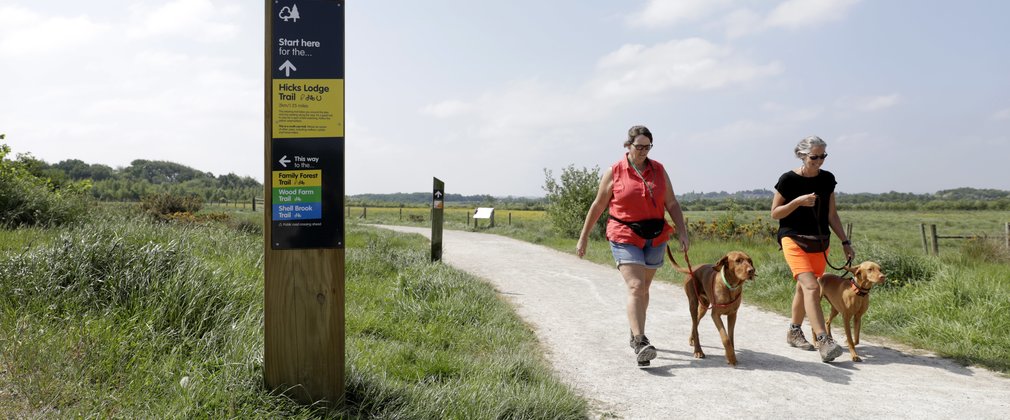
(673, 261)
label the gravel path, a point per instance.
(578, 310)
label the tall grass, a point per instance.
(125, 317)
(445, 345)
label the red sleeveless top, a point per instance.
(633, 202)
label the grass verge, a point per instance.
(124, 317)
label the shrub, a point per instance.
(901, 268)
(730, 226)
(985, 250)
(164, 205)
(569, 200)
(27, 200)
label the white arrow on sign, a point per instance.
(288, 68)
(284, 161)
(438, 194)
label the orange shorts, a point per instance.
(802, 262)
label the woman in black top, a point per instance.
(804, 205)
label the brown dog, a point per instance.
(851, 298)
(720, 285)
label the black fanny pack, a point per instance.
(646, 229)
(812, 243)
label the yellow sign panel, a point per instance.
(305, 108)
(312, 178)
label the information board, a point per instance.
(307, 124)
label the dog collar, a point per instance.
(859, 290)
(722, 273)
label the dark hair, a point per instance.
(635, 131)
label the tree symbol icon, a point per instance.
(289, 13)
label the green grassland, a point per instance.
(121, 316)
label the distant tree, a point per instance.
(569, 199)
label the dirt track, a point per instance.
(577, 309)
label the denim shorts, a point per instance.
(651, 256)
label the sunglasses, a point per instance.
(642, 146)
(818, 157)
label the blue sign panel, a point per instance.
(300, 211)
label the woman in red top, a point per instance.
(636, 190)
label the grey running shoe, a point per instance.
(644, 350)
(828, 348)
(796, 339)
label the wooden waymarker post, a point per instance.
(437, 218)
(303, 262)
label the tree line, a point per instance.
(576, 187)
(143, 178)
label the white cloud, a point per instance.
(800, 13)
(665, 12)
(198, 19)
(742, 22)
(690, 64)
(869, 103)
(527, 109)
(24, 32)
(446, 109)
(1002, 115)
(134, 97)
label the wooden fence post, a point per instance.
(468, 218)
(401, 214)
(925, 245)
(848, 231)
(510, 218)
(364, 212)
(936, 241)
(1006, 234)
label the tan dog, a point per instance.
(720, 285)
(851, 298)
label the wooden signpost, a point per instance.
(437, 217)
(304, 208)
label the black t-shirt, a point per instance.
(803, 221)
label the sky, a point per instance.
(910, 95)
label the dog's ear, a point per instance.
(721, 263)
(851, 269)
